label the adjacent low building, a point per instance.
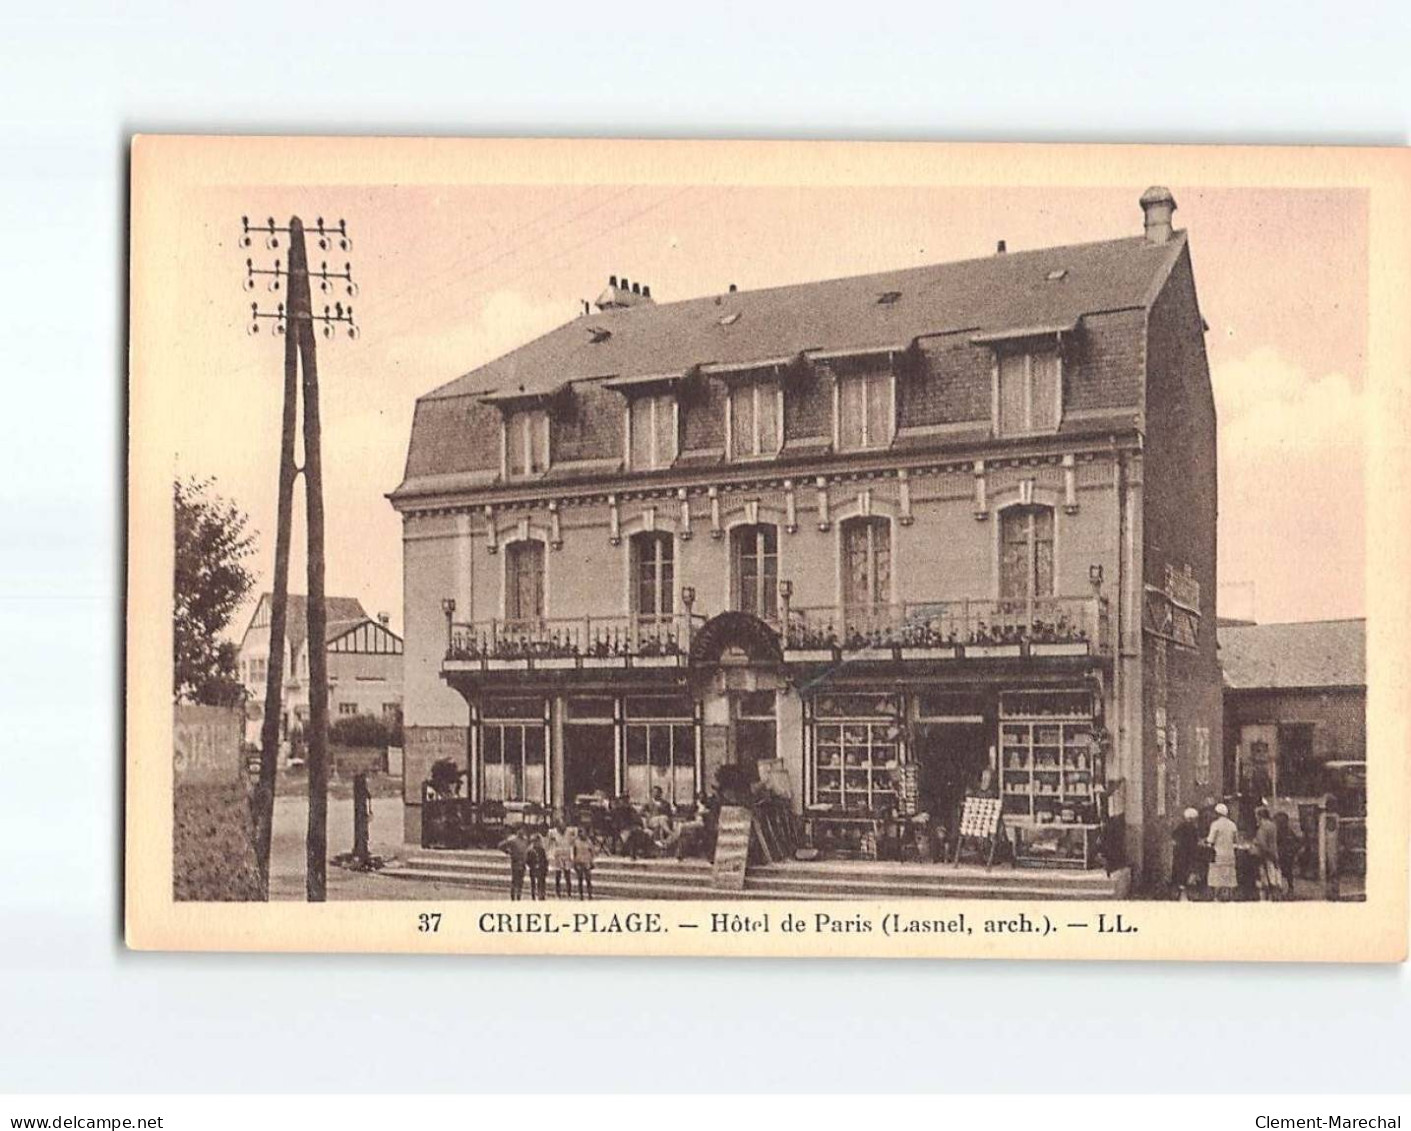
(883, 541)
(364, 664)
(1295, 706)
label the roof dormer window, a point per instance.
(1028, 391)
(526, 443)
(653, 425)
(864, 410)
(754, 419)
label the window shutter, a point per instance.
(768, 435)
(642, 433)
(1011, 394)
(1045, 391)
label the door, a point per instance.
(588, 761)
(952, 759)
(524, 583)
(1257, 768)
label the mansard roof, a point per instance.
(994, 296)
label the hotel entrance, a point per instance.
(589, 749)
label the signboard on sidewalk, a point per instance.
(732, 848)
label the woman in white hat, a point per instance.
(1221, 877)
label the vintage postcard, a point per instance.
(789, 549)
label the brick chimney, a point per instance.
(621, 293)
(1157, 206)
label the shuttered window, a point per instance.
(653, 427)
(1030, 394)
(865, 415)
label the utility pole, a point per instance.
(296, 323)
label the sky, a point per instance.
(451, 277)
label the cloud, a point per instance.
(1292, 520)
(496, 323)
(1269, 405)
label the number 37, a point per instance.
(428, 922)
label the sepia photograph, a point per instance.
(948, 551)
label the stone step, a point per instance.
(488, 871)
(999, 879)
(472, 860)
(604, 887)
(938, 889)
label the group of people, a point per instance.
(570, 854)
(570, 851)
(1205, 854)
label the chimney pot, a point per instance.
(623, 283)
(1000, 248)
(646, 291)
(733, 288)
(1157, 206)
(636, 288)
(612, 280)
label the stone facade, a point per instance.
(926, 521)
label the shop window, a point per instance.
(524, 582)
(866, 412)
(1028, 396)
(867, 566)
(856, 743)
(756, 419)
(653, 577)
(855, 765)
(1050, 761)
(526, 443)
(660, 740)
(346, 710)
(652, 427)
(754, 552)
(1026, 554)
(514, 757)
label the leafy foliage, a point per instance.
(366, 730)
(211, 580)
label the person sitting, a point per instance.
(659, 817)
(622, 818)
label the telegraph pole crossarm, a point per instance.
(295, 320)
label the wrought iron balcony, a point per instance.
(563, 642)
(1054, 626)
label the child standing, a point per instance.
(537, 861)
(516, 848)
(561, 858)
(583, 856)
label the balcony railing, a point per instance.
(573, 638)
(1061, 625)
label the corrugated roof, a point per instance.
(987, 296)
(1324, 653)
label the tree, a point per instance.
(211, 580)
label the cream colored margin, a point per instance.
(163, 168)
